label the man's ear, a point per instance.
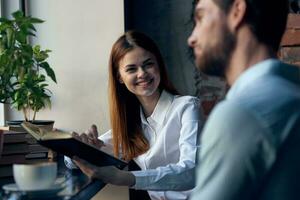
(237, 14)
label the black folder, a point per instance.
(64, 143)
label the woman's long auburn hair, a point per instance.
(124, 107)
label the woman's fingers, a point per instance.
(93, 132)
(96, 142)
(80, 162)
(99, 143)
(90, 137)
(106, 173)
(75, 135)
(84, 138)
(84, 166)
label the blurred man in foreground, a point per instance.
(247, 136)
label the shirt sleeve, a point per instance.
(69, 163)
(235, 154)
(177, 176)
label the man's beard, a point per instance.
(215, 59)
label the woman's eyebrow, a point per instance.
(130, 65)
(147, 60)
(133, 65)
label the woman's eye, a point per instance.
(131, 69)
(149, 64)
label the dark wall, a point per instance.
(168, 22)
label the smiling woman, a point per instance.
(137, 75)
(150, 124)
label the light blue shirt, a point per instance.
(242, 136)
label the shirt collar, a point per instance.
(160, 111)
(250, 75)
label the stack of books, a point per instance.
(20, 147)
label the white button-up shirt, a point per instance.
(172, 130)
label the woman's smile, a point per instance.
(145, 83)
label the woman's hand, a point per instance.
(90, 136)
(107, 174)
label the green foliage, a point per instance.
(23, 67)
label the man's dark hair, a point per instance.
(266, 18)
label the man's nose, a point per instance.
(191, 40)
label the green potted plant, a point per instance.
(23, 67)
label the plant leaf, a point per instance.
(48, 70)
(18, 14)
(36, 20)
